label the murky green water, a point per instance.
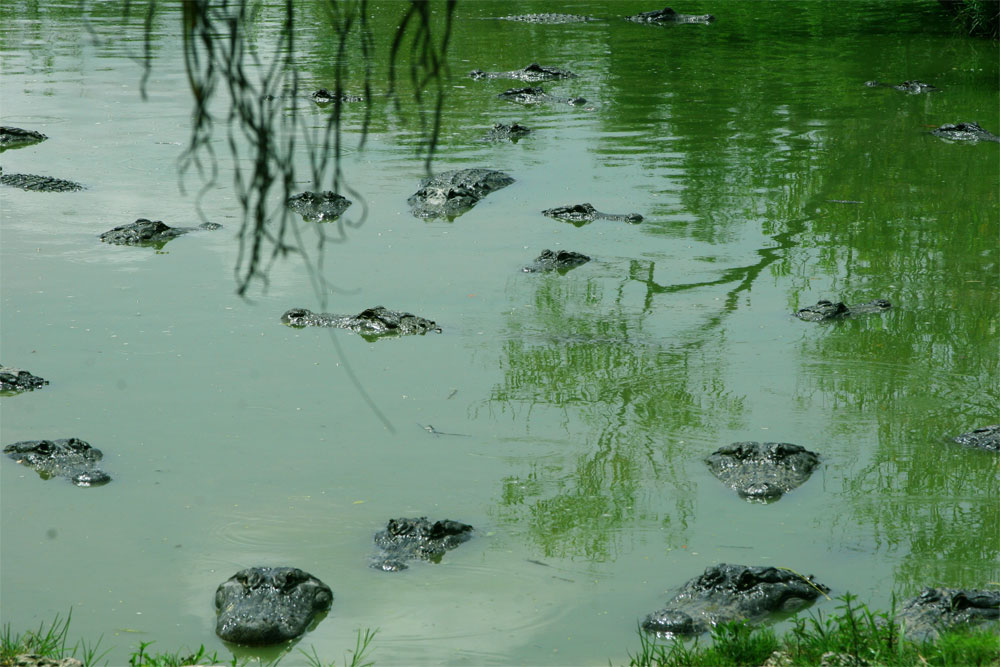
(586, 401)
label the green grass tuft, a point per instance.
(358, 657)
(855, 635)
(48, 642)
(140, 658)
(979, 18)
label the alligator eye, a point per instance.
(287, 580)
(323, 599)
(77, 445)
(250, 579)
(964, 601)
(746, 581)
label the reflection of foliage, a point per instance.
(929, 499)
(934, 503)
(262, 116)
(753, 175)
(771, 143)
(927, 369)
(592, 360)
(578, 350)
(743, 276)
(583, 512)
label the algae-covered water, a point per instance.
(584, 404)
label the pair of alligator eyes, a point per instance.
(49, 448)
(285, 581)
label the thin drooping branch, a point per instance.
(234, 84)
(261, 133)
(427, 63)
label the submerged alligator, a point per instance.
(731, 593)
(268, 605)
(581, 214)
(533, 72)
(823, 310)
(319, 206)
(16, 379)
(324, 97)
(371, 323)
(512, 133)
(964, 132)
(149, 233)
(405, 539)
(452, 193)
(667, 15)
(15, 137)
(560, 260)
(912, 86)
(939, 609)
(548, 18)
(762, 471)
(37, 183)
(987, 437)
(536, 95)
(71, 458)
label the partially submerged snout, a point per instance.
(269, 605)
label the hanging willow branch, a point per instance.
(255, 97)
(260, 114)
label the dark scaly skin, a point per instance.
(548, 18)
(987, 437)
(502, 132)
(727, 593)
(824, 311)
(452, 193)
(319, 206)
(536, 95)
(912, 86)
(71, 458)
(531, 73)
(667, 16)
(581, 214)
(16, 379)
(762, 471)
(560, 260)
(36, 183)
(323, 97)
(964, 132)
(371, 323)
(405, 539)
(145, 232)
(15, 137)
(936, 610)
(269, 605)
